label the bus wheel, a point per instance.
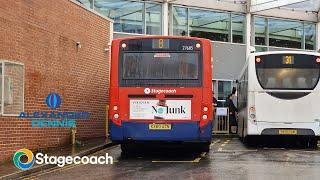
(205, 147)
(125, 148)
(313, 143)
(247, 140)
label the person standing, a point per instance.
(232, 112)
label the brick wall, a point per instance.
(42, 34)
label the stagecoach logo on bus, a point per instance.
(54, 118)
(159, 91)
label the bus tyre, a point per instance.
(247, 140)
(125, 148)
(313, 143)
(205, 147)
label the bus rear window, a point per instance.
(288, 72)
(160, 65)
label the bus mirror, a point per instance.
(237, 81)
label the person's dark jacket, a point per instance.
(214, 101)
(232, 108)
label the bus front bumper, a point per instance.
(182, 131)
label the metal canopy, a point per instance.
(262, 5)
(306, 10)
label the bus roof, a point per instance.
(285, 52)
(154, 36)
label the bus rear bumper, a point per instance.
(300, 129)
(138, 131)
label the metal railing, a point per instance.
(221, 121)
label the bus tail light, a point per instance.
(252, 113)
(318, 60)
(204, 117)
(205, 109)
(116, 116)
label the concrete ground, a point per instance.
(228, 158)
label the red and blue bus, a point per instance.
(161, 90)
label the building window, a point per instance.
(209, 24)
(213, 25)
(222, 88)
(11, 88)
(285, 33)
(180, 21)
(310, 36)
(260, 29)
(153, 17)
(87, 3)
(238, 29)
(132, 17)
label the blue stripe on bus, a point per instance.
(185, 131)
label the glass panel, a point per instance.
(238, 28)
(209, 25)
(310, 34)
(87, 3)
(224, 89)
(285, 33)
(160, 66)
(261, 48)
(215, 89)
(13, 89)
(260, 29)
(153, 18)
(180, 18)
(127, 15)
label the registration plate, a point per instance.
(288, 131)
(160, 126)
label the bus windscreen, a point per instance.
(288, 72)
(160, 65)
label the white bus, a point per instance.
(279, 95)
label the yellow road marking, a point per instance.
(204, 154)
(197, 160)
(213, 143)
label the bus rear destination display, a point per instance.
(161, 44)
